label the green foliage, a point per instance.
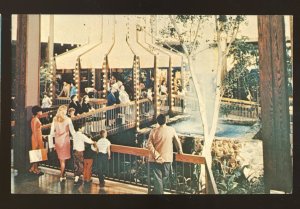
(234, 181)
(237, 183)
(228, 172)
(240, 82)
(225, 109)
(45, 79)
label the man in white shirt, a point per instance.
(46, 102)
(78, 146)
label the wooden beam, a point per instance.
(79, 78)
(50, 51)
(155, 98)
(274, 104)
(107, 80)
(27, 85)
(129, 150)
(190, 158)
(169, 82)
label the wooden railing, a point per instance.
(130, 165)
(109, 118)
(210, 185)
(235, 107)
(126, 113)
(241, 108)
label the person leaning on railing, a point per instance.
(75, 104)
(103, 155)
(160, 145)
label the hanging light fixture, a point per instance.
(93, 77)
(104, 78)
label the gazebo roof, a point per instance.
(94, 58)
(68, 59)
(120, 51)
(146, 57)
(120, 56)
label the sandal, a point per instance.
(40, 173)
(31, 171)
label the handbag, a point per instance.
(38, 155)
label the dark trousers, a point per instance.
(78, 163)
(161, 172)
(102, 166)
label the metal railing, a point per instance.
(109, 118)
(146, 111)
(163, 102)
(130, 165)
(96, 103)
(184, 104)
(61, 101)
(179, 104)
(235, 107)
(241, 108)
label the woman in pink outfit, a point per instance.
(60, 128)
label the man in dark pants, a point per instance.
(160, 144)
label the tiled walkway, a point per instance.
(49, 184)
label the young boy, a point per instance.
(89, 154)
(78, 146)
(103, 148)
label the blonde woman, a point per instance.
(60, 128)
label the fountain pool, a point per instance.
(191, 128)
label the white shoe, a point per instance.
(76, 179)
(61, 179)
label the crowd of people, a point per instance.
(87, 151)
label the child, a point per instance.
(71, 112)
(103, 147)
(78, 146)
(88, 155)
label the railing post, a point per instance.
(137, 90)
(170, 86)
(104, 78)
(155, 99)
(52, 66)
(149, 178)
(206, 182)
(77, 76)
